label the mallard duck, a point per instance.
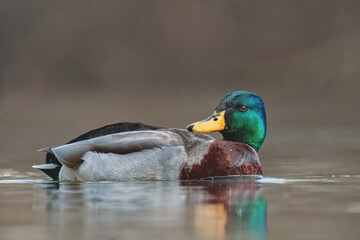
(128, 151)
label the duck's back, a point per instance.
(55, 165)
(145, 154)
(125, 151)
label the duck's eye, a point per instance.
(242, 108)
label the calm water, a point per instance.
(314, 207)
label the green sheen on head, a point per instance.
(240, 117)
(245, 118)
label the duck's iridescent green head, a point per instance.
(240, 117)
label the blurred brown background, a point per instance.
(69, 66)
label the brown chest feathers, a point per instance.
(224, 158)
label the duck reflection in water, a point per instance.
(230, 210)
(220, 209)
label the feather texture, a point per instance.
(146, 154)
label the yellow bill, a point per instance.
(216, 122)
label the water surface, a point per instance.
(312, 207)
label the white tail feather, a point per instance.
(45, 166)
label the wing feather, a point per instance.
(155, 164)
(119, 143)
